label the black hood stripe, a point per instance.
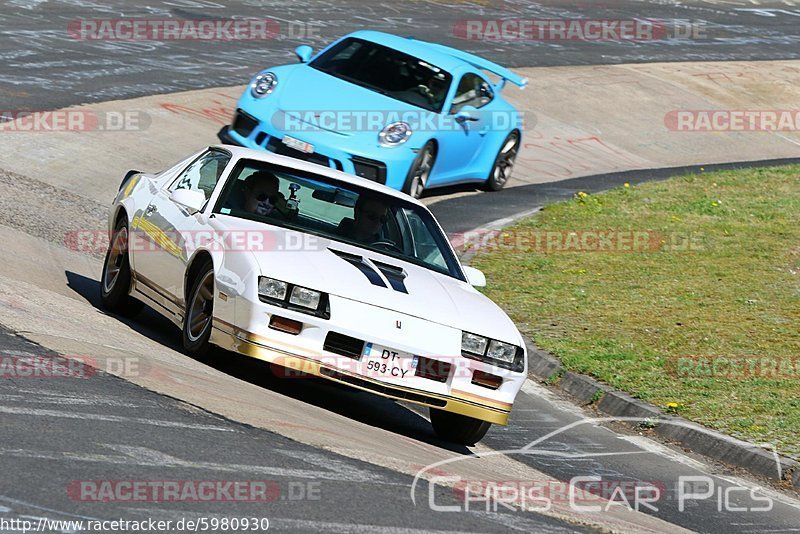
(358, 262)
(395, 275)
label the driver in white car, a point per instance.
(369, 215)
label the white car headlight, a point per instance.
(394, 134)
(492, 352)
(271, 288)
(307, 298)
(503, 352)
(263, 84)
(473, 344)
(297, 298)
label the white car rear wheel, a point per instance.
(198, 319)
(115, 281)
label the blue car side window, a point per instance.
(472, 91)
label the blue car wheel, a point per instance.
(503, 163)
(420, 170)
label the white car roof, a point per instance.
(268, 157)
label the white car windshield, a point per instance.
(304, 201)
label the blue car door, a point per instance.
(465, 131)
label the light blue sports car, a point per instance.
(405, 113)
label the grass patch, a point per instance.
(719, 283)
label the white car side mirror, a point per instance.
(475, 277)
(190, 199)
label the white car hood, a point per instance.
(309, 261)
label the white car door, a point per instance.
(171, 231)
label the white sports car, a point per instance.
(319, 272)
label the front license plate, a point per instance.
(382, 362)
(297, 144)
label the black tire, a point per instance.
(503, 164)
(458, 428)
(198, 319)
(115, 280)
(420, 170)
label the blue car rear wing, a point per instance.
(480, 63)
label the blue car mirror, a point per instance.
(303, 53)
(464, 115)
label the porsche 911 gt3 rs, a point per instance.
(399, 111)
(319, 272)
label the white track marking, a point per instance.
(152, 458)
(37, 412)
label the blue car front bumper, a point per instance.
(388, 166)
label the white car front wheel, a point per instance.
(458, 428)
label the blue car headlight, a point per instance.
(263, 84)
(394, 134)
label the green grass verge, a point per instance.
(634, 319)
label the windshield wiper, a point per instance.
(374, 88)
(364, 84)
(352, 80)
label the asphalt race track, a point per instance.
(465, 213)
(102, 427)
(333, 460)
(42, 66)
